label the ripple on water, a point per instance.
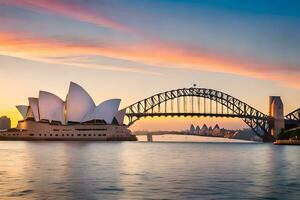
(112, 189)
(21, 193)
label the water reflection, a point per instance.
(129, 170)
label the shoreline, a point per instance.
(191, 138)
(287, 142)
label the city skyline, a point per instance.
(122, 49)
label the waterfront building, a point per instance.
(216, 131)
(197, 131)
(245, 134)
(192, 129)
(5, 123)
(210, 131)
(204, 130)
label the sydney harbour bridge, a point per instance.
(198, 102)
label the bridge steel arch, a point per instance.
(225, 106)
(295, 115)
(292, 120)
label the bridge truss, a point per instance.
(292, 120)
(199, 102)
(295, 115)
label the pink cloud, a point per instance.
(156, 54)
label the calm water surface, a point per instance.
(132, 170)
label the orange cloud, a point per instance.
(154, 53)
(70, 10)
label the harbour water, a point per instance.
(138, 170)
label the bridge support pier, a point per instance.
(268, 138)
(149, 137)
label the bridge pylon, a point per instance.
(277, 114)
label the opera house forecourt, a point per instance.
(78, 118)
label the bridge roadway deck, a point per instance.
(139, 115)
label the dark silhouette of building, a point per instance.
(5, 123)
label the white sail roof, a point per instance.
(29, 113)
(60, 114)
(78, 103)
(51, 107)
(120, 116)
(23, 109)
(107, 110)
(34, 104)
(79, 107)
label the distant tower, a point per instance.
(276, 111)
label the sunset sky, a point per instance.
(132, 49)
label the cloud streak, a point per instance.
(154, 53)
(34, 49)
(71, 10)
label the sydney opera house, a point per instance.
(48, 117)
